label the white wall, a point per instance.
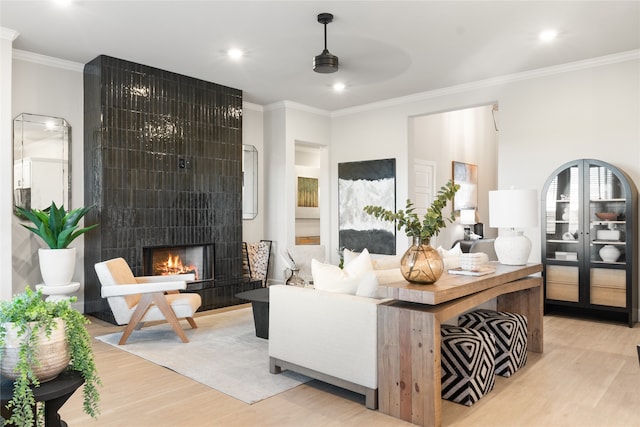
(6, 162)
(589, 109)
(253, 134)
(467, 136)
(48, 90)
(286, 124)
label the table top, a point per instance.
(450, 286)
(66, 382)
(258, 295)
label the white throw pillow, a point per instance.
(358, 266)
(331, 278)
(368, 285)
(386, 262)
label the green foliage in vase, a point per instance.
(30, 314)
(414, 226)
(54, 225)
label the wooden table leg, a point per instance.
(409, 383)
(530, 303)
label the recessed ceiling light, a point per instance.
(63, 2)
(235, 53)
(547, 35)
(338, 87)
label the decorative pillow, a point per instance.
(378, 262)
(331, 278)
(259, 259)
(386, 262)
(390, 275)
(358, 266)
(368, 285)
(451, 257)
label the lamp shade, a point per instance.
(513, 208)
(467, 216)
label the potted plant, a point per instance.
(421, 263)
(28, 322)
(58, 228)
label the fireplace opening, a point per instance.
(171, 260)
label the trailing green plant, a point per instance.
(30, 314)
(427, 226)
(54, 225)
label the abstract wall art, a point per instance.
(371, 182)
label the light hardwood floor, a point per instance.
(588, 375)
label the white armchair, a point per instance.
(135, 300)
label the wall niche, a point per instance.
(163, 165)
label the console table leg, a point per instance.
(409, 382)
(530, 303)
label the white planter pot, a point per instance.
(57, 265)
(52, 353)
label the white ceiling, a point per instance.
(387, 49)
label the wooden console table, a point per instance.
(409, 383)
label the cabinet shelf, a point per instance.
(576, 278)
(607, 200)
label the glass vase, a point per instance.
(421, 263)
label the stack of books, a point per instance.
(474, 264)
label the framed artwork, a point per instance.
(307, 192)
(466, 175)
(371, 182)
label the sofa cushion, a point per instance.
(378, 261)
(357, 273)
(331, 278)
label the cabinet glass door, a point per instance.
(562, 236)
(607, 231)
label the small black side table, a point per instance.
(53, 394)
(260, 304)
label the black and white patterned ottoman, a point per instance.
(467, 364)
(510, 331)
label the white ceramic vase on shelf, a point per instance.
(609, 253)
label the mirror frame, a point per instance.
(249, 182)
(55, 128)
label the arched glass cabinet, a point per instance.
(589, 246)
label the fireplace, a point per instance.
(171, 260)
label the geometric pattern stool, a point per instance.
(467, 364)
(510, 331)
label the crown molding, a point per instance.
(290, 105)
(49, 61)
(495, 81)
(251, 106)
(8, 34)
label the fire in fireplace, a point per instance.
(169, 260)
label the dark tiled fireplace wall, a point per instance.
(163, 165)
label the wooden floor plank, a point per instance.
(588, 375)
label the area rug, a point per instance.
(223, 353)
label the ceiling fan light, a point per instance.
(325, 63)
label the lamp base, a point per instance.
(513, 249)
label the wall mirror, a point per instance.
(41, 161)
(249, 182)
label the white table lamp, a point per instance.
(467, 218)
(513, 209)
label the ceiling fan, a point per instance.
(325, 62)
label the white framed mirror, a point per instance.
(41, 161)
(249, 182)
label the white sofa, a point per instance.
(327, 336)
